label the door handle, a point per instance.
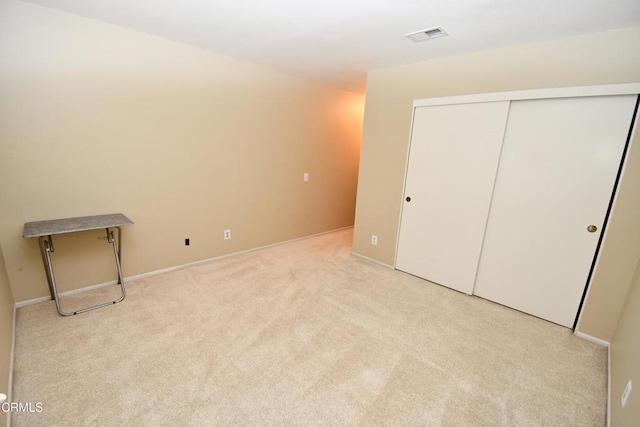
(408, 199)
(592, 228)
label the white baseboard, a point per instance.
(174, 268)
(68, 293)
(608, 345)
(608, 386)
(375, 261)
(592, 339)
(11, 358)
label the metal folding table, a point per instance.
(45, 230)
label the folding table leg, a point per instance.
(46, 247)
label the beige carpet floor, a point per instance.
(301, 334)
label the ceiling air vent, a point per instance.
(428, 34)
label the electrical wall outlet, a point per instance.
(374, 240)
(227, 234)
(305, 177)
(626, 393)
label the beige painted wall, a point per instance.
(6, 333)
(96, 119)
(625, 353)
(602, 58)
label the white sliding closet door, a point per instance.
(452, 166)
(557, 171)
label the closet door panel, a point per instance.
(557, 171)
(452, 165)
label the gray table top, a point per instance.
(71, 225)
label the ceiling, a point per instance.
(337, 41)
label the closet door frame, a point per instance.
(567, 92)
